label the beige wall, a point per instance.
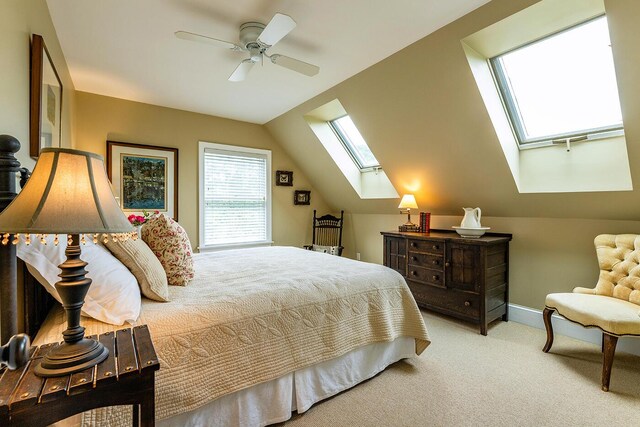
(20, 19)
(421, 112)
(101, 118)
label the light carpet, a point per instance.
(503, 379)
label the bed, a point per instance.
(257, 334)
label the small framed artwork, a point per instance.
(302, 197)
(144, 177)
(284, 178)
(45, 111)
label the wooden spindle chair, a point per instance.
(327, 232)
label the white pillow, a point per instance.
(333, 250)
(114, 295)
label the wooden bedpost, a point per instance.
(9, 167)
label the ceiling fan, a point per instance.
(256, 39)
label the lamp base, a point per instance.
(69, 358)
(76, 353)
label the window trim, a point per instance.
(513, 112)
(202, 147)
(346, 143)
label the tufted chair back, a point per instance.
(619, 259)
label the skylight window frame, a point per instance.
(515, 118)
(348, 146)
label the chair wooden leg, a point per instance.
(609, 342)
(546, 316)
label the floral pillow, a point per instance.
(170, 243)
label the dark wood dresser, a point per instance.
(467, 278)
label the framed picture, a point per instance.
(144, 177)
(284, 178)
(45, 111)
(302, 197)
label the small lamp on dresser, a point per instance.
(407, 203)
(68, 193)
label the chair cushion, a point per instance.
(612, 315)
(333, 250)
(619, 261)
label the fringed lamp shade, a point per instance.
(68, 193)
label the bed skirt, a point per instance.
(274, 401)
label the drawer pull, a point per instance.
(467, 304)
(447, 264)
(435, 277)
(414, 273)
(413, 258)
(435, 247)
(413, 244)
(435, 262)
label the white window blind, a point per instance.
(235, 205)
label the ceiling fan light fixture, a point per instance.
(255, 52)
(256, 38)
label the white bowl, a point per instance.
(472, 233)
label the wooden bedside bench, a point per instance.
(26, 399)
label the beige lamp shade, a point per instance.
(408, 202)
(68, 193)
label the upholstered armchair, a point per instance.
(613, 305)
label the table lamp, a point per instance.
(408, 202)
(68, 193)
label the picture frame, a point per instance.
(302, 197)
(284, 178)
(45, 104)
(144, 177)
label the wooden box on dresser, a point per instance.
(467, 278)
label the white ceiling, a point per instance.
(127, 49)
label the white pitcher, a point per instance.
(471, 218)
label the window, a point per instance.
(561, 86)
(354, 143)
(235, 196)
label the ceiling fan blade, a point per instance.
(241, 71)
(295, 65)
(185, 35)
(279, 26)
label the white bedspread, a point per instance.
(254, 315)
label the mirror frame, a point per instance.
(39, 53)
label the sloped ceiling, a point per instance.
(423, 117)
(127, 49)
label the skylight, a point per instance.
(354, 143)
(562, 86)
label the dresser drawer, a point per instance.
(446, 301)
(435, 247)
(426, 275)
(434, 262)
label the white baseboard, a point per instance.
(561, 326)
